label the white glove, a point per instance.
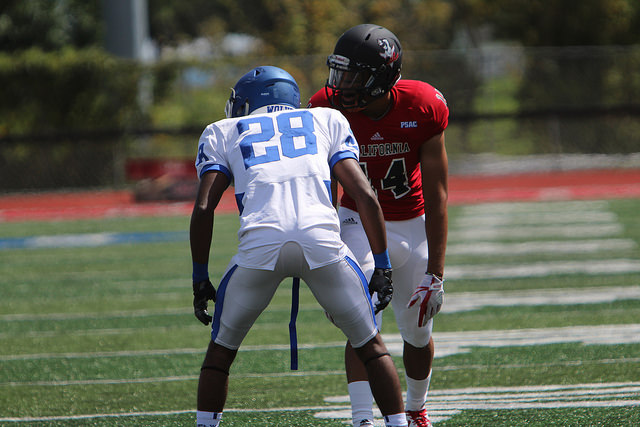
(430, 294)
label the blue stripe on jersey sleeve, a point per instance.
(341, 155)
(219, 168)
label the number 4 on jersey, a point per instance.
(396, 179)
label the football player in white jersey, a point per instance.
(280, 160)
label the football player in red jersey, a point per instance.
(399, 125)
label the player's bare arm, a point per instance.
(435, 169)
(354, 182)
(434, 166)
(212, 185)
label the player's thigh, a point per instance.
(342, 291)
(409, 258)
(242, 295)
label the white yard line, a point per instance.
(442, 404)
(571, 231)
(541, 269)
(541, 247)
(535, 217)
(573, 219)
(450, 343)
(529, 207)
(466, 301)
(160, 352)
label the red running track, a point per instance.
(543, 186)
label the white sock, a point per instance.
(361, 401)
(208, 419)
(416, 393)
(396, 420)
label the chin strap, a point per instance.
(293, 339)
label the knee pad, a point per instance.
(415, 335)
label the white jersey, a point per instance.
(280, 164)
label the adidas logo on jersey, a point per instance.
(377, 137)
(349, 221)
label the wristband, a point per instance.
(382, 260)
(200, 272)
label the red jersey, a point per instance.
(390, 146)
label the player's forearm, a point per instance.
(210, 189)
(435, 171)
(200, 234)
(436, 229)
(373, 223)
(436, 226)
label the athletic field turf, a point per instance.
(541, 324)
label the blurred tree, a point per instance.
(575, 73)
(300, 33)
(301, 27)
(172, 22)
(286, 27)
(49, 25)
(306, 27)
(557, 22)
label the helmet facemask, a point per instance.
(350, 83)
(231, 103)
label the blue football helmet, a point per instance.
(260, 87)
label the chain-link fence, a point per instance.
(504, 101)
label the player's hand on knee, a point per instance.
(430, 295)
(203, 291)
(382, 285)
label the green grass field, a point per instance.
(541, 325)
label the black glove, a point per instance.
(203, 291)
(382, 284)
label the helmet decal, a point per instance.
(388, 53)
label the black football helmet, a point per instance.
(365, 65)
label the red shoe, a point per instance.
(418, 418)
